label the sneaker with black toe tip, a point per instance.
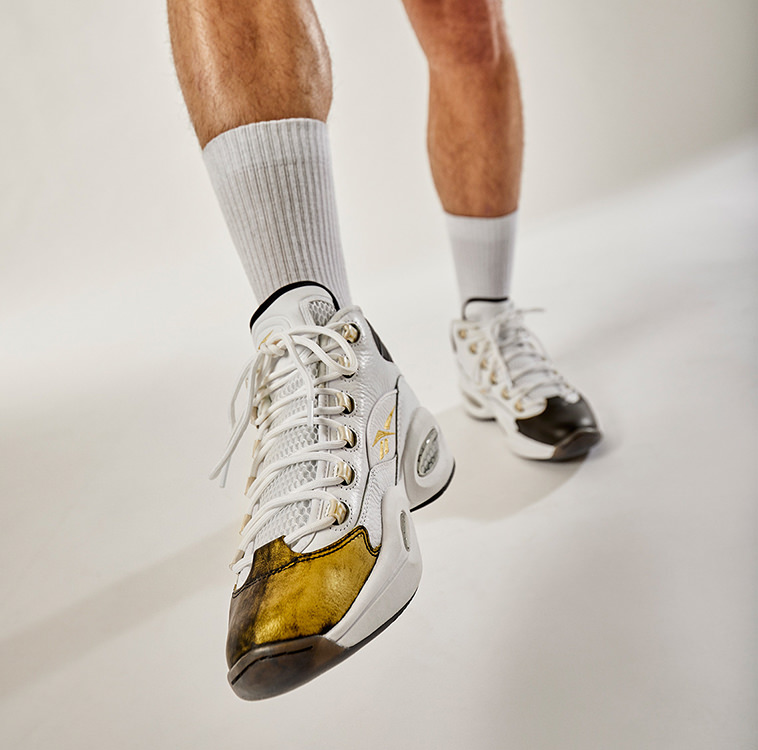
(342, 453)
(505, 374)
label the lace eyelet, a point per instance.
(342, 360)
(350, 332)
(345, 472)
(348, 435)
(346, 401)
(337, 510)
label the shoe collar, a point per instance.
(298, 304)
(478, 309)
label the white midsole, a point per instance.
(393, 580)
(475, 405)
(397, 571)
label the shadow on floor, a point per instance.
(82, 627)
(483, 462)
(490, 482)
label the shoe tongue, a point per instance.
(308, 304)
(478, 310)
(522, 354)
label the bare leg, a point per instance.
(475, 149)
(475, 134)
(245, 61)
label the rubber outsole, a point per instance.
(577, 444)
(437, 494)
(277, 668)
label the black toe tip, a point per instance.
(569, 426)
(577, 445)
(277, 668)
(272, 669)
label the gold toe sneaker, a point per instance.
(342, 453)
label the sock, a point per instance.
(483, 254)
(274, 184)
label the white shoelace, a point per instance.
(529, 372)
(305, 346)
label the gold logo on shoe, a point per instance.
(382, 436)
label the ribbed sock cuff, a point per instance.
(483, 254)
(275, 188)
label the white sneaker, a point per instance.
(505, 374)
(343, 452)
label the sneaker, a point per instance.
(342, 453)
(506, 375)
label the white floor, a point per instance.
(604, 604)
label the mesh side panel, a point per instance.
(287, 390)
(291, 441)
(522, 355)
(292, 517)
(287, 520)
(321, 311)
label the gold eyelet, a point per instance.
(484, 364)
(473, 348)
(342, 361)
(493, 378)
(345, 400)
(345, 472)
(350, 333)
(337, 510)
(504, 393)
(518, 406)
(462, 333)
(346, 434)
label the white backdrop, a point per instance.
(604, 604)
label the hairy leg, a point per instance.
(246, 61)
(475, 134)
(256, 77)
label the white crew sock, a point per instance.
(274, 184)
(483, 254)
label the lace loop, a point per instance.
(509, 354)
(305, 358)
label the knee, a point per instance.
(460, 32)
